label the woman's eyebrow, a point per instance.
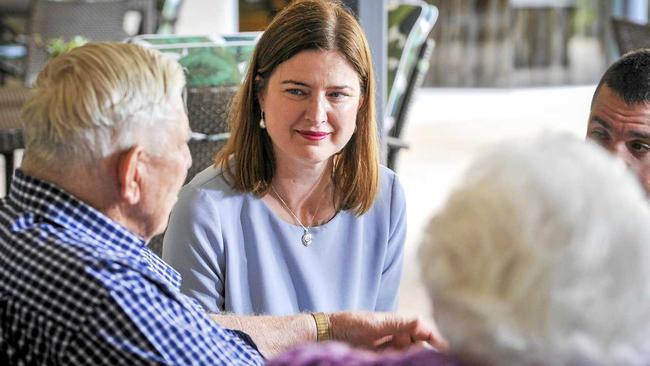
(301, 83)
(289, 81)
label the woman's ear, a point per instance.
(129, 175)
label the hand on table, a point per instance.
(384, 330)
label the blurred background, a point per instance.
(506, 43)
(479, 43)
(455, 75)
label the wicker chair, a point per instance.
(12, 51)
(207, 110)
(630, 36)
(99, 20)
(11, 136)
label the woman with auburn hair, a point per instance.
(296, 214)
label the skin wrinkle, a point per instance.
(623, 129)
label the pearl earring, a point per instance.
(262, 123)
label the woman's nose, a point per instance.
(317, 109)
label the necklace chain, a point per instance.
(307, 236)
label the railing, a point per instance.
(501, 43)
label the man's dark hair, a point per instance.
(629, 77)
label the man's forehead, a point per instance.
(610, 97)
(611, 111)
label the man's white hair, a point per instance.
(542, 256)
(99, 99)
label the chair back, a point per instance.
(207, 111)
(98, 20)
(630, 36)
(11, 136)
(410, 23)
(394, 138)
(148, 11)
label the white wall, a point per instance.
(208, 17)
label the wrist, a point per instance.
(323, 327)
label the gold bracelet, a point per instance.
(323, 331)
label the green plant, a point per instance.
(58, 46)
(215, 66)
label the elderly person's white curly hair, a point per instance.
(542, 257)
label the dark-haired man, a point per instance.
(620, 112)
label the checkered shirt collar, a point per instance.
(56, 205)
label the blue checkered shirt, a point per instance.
(76, 288)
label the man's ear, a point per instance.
(129, 174)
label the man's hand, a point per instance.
(384, 330)
(376, 331)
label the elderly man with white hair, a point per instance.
(541, 256)
(106, 153)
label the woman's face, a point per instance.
(310, 107)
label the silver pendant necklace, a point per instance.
(307, 237)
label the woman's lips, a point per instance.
(313, 135)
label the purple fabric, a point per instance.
(335, 354)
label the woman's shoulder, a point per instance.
(212, 176)
(209, 182)
(386, 175)
(390, 196)
(389, 183)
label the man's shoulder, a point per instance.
(48, 274)
(68, 275)
(60, 266)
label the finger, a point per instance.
(383, 342)
(428, 332)
(437, 340)
(401, 341)
(435, 337)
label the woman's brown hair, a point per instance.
(247, 160)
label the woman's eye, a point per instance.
(295, 92)
(338, 94)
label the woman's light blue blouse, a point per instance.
(235, 255)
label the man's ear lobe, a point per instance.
(129, 174)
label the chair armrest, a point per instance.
(198, 136)
(396, 143)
